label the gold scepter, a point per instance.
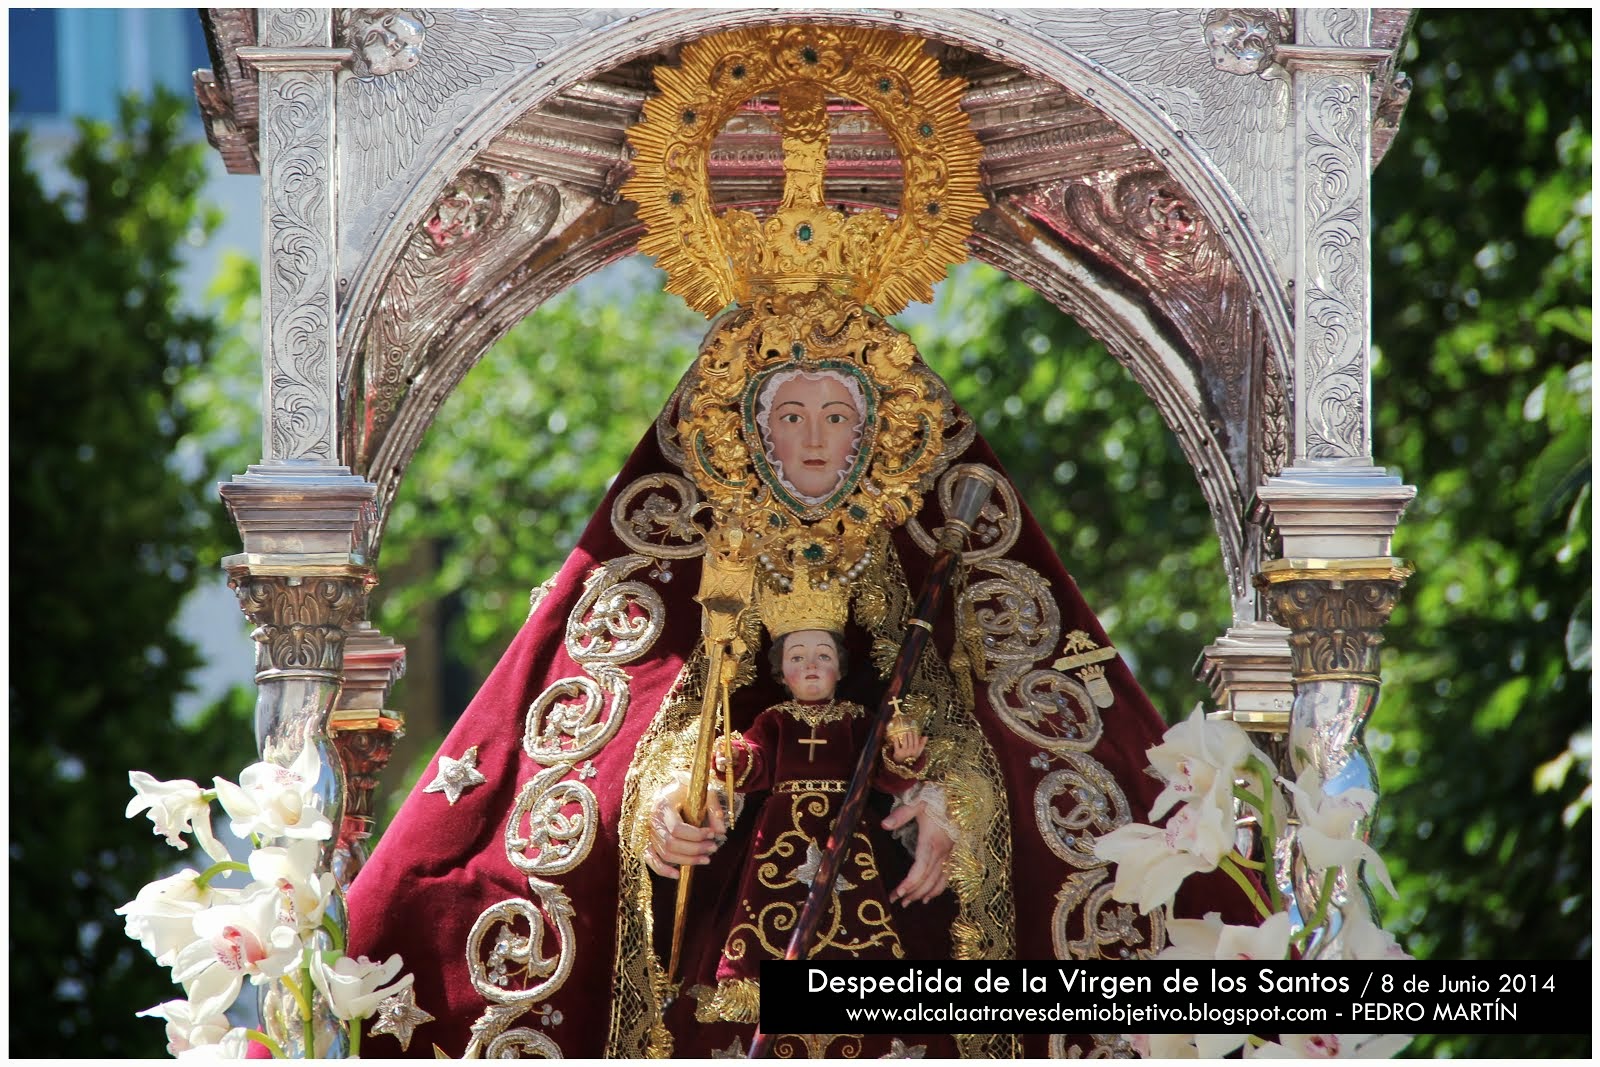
(726, 581)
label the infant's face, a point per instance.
(810, 664)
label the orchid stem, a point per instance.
(1238, 876)
(355, 1039)
(309, 1031)
(334, 933)
(267, 1043)
(1268, 826)
(1321, 914)
(216, 869)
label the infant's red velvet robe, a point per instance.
(442, 885)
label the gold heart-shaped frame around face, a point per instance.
(832, 356)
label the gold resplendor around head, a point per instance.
(881, 263)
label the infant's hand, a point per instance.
(721, 754)
(907, 748)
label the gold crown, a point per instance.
(802, 606)
(880, 262)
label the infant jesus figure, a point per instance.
(804, 751)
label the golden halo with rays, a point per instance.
(883, 263)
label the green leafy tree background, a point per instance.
(1482, 291)
(108, 533)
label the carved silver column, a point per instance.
(305, 522)
(1332, 510)
(1335, 611)
(364, 730)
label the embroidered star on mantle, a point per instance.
(456, 776)
(399, 1015)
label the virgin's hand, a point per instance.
(675, 842)
(927, 877)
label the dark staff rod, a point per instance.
(971, 492)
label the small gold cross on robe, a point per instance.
(812, 742)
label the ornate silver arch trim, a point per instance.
(1124, 325)
(1020, 39)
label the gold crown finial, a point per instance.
(881, 262)
(803, 606)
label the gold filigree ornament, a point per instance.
(811, 284)
(883, 263)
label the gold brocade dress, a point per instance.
(804, 753)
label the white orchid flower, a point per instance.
(1330, 1047)
(1152, 862)
(1212, 939)
(161, 917)
(175, 808)
(187, 1030)
(1328, 826)
(1199, 759)
(355, 988)
(276, 801)
(233, 1045)
(292, 871)
(234, 940)
(1364, 939)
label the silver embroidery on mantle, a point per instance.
(661, 524)
(557, 838)
(1010, 610)
(1076, 806)
(999, 523)
(614, 622)
(509, 964)
(456, 776)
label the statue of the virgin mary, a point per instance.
(807, 451)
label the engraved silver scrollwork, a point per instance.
(1333, 333)
(661, 525)
(556, 838)
(481, 220)
(388, 123)
(1239, 122)
(300, 268)
(506, 952)
(1076, 805)
(1346, 26)
(998, 525)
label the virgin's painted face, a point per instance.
(810, 664)
(813, 426)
